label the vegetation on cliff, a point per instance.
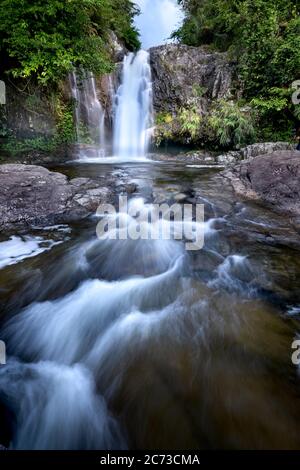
(263, 37)
(42, 41)
(226, 125)
(45, 39)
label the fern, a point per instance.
(232, 126)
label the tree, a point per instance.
(263, 37)
(45, 39)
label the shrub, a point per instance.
(45, 39)
(190, 119)
(231, 126)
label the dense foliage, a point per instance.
(227, 125)
(263, 36)
(44, 39)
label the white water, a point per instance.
(58, 408)
(73, 351)
(137, 326)
(89, 114)
(134, 111)
(63, 342)
(138, 303)
(17, 249)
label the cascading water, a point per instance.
(111, 95)
(119, 342)
(133, 108)
(125, 337)
(89, 114)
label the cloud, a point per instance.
(158, 19)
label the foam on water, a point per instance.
(134, 111)
(17, 249)
(65, 329)
(57, 407)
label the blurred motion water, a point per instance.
(116, 344)
(133, 120)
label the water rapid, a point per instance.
(117, 343)
(121, 343)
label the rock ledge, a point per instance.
(32, 195)
(273, 179)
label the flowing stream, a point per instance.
(141, 344)
(116, 344)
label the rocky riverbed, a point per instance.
(134, 304)
(32, 195)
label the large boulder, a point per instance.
(184, 75)
(32, 195)
(271, 178)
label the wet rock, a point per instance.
(79, 182)
(229, 158)
(130, 188)
(26, 118)
(32, 195)
(206, 261)
(272, 179)
(180, 197)
(187, 78)
(263, 148)
(201, 156)
(127, 188)
(252, 151)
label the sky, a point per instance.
(157, 21)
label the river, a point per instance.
(142, 344)
(116, 344)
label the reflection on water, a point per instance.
(123, 344)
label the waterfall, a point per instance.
(89, 114)
(133, 108)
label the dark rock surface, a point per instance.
(28, 114)
(252, 151)
(184, 76)
(196, 156)
(205, 157)
(32, 195)
(273, 179)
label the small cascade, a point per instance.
(133, 108)
(111, 93)
(89, 115)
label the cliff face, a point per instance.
(31, 111)
(188, 76)
(184, 78)
(27, 114)
(108, 84)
